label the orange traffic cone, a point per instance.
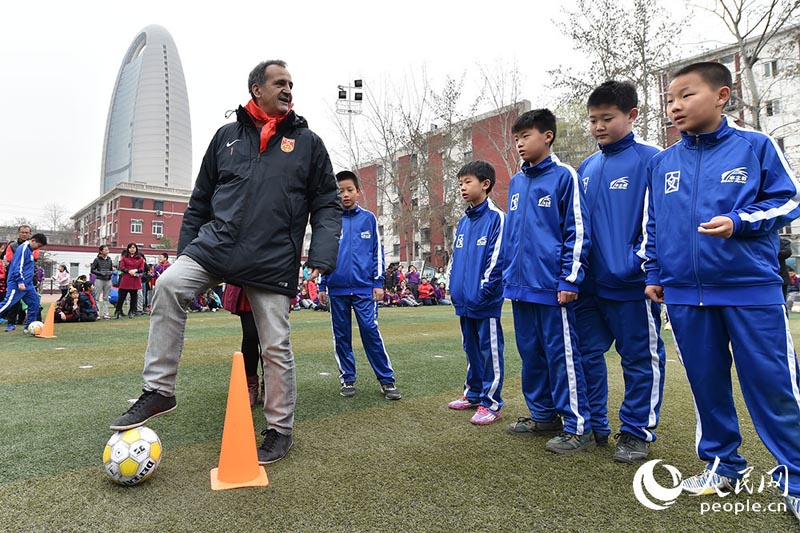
(49, 324)
(238, 458)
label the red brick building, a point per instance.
(148, 215)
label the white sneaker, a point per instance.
(793, 503)
(707, 482)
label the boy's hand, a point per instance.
(21, 286)
(655, 293)
(315, 273)
(323, 297)
(718, 226)
(565, 297)
(377, 294)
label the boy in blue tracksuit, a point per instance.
(476, 290)
(545, 243)
(357, 284)
(716, 201)
(613, 306)
(19, 283)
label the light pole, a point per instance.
(349, 103)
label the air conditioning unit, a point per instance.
(159, 213)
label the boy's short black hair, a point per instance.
(40, 238)
(612, 92)
(165, 256)
(347, 175)
(715, 74)
(481, 170)
(540, 119)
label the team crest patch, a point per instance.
(460, 240)
(672, 181)
(736, 175)
(481, 241)
(366, 235)
(287, 145)
(514, 202)
(619, 184)
(544, 201)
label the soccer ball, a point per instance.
(132, 456)
(34, 328)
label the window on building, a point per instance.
(773, 107)
(158, 205)
(779, 140)
(414, 202)
(158, 228)
(136, 225)
(770, 67)
(380, 210)
(396, 250)
(416, 249)
(380, 230)
(137, 203)
(468, 156)
(380, 173)
(413, 159)
(425, 234)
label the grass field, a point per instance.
(360, 464)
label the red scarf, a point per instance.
(270, 123)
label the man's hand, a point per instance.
(323, 297)
(21, 286)
(377, 294)
(565, 297)
(315, 273)
(655, 293)
(718, 226)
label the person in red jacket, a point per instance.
(132, 266)
(425, 292)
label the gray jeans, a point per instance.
(102, 290)
(175, 290)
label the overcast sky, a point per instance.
(59, 61)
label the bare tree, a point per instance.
(754, 25)
(55, 216)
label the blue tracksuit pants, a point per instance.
(366, 311)
(483, 344)
(29, 296)
(635, 326)
(766, 364)
(552, 374)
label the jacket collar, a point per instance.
(352, 212)
(619, 145)
(710, 138)
(478, 210)
(292, 120)
(537, 169)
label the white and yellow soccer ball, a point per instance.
(132, 456)
(36, 327)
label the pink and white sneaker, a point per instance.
(462, 403)
(484, 416)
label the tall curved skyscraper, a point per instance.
(148, 133)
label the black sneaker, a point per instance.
(348, 389)
(150, 404)
(390, 391)
(630, 449)
(601, 440)
(274, 447)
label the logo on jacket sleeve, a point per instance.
(481, 241)
(672, 181)
(544, 201)
(514, 203)
(366, 234)
(585, 181)
(460, 240)
(619, 184)
(287, 145)
(736, 175)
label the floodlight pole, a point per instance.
(349, 103)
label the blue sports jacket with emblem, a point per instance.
(732, 172)
(476, 271)
(360, 266)
(614, 181)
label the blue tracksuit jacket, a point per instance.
(360, 266)
(476, 272)
(614, 181)
(22, 267)
(733, 172)
(546, 238)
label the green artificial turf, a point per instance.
(359, 464)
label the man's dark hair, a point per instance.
(23, 226)
(715, 74)
(481, 170)
(40, 238)
(100, 248)
(259, 74)
(618, 93)
(347, 175)
(165, 256)
(540, 119)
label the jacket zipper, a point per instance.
(522, 234)
(695, 260)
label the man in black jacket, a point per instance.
(261, 179)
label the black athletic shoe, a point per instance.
(348, 389)
(630, 449)
(274, 447)
(601, 440)
(390, 391)
(150, 404)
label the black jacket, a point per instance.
(248, 212)
(102, 268)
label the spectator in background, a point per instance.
(793, 290)
(440, 293)
(162, 265)
(441, 276)
(401, 277)
(412, 280)
(87, 304)
(103, 269)
(425, 292)
(61, 278)
(784, 253)
(68, 308)
(132, 265)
